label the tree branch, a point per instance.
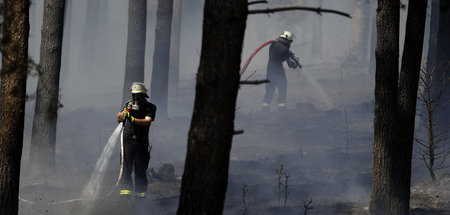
(257, 2)
(318, 10)
(255, 82)
(236, 132)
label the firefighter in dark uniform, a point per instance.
(137, 116)
(278, 53)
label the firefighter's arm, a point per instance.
(294, 61)
(143, 122)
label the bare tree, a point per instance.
(42, 148)
(244, 202)
(13, 78)
(433, 148)
(135, 57)
(160, 72)
(205, 174)
(395, 105)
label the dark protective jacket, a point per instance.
(145, 109)
(278, 52)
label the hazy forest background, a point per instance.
(314, 158)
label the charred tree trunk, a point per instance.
(1, 50)
(373, 36)
(442, 60)
(434, 27)
(395, 106)
(174, 70)
(13, 78)
(205, 174)
(66, 41)
(443, 37)
(386, 122)
(408, 85)
(42, 148)
(135, 58)
(160, 71)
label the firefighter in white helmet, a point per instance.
(137, 116)
(278, 53)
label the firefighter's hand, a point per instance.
(291, 64)
(298, 64)
(119, 117)
(127, 115)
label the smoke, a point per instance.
(326, 153)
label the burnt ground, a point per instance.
(326, 154)
(327, 161)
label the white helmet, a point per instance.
(138, 87)
(287, 35)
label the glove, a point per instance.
(298, 64)
(127, 115)
(291, 64)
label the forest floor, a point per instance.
(325, 156)
(328, 170)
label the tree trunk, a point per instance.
(160, 71)
(13, 78)
(360, 30)
(90, 29)
(442, 60)
(386, 123)
(373, 36)
(174, 71)
(66, 41)
(443, 37)
(434, 27)
(395, 105)
(42, 148)
(135, 57)
(205, 174)
(408, 85)
(316, 51)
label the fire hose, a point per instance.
(253, 54)
(291, 55)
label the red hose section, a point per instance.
(253, 54)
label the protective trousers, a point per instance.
(137, 155)
(277, 80)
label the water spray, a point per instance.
(93, 186)
(90, 192)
